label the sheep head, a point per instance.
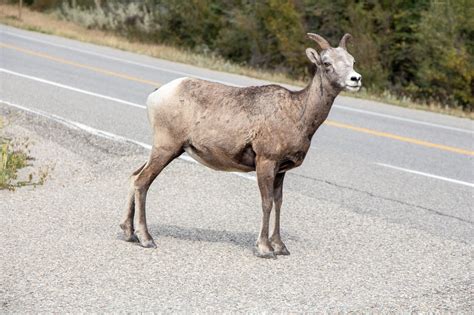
(337, 64)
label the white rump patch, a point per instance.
(164, 93)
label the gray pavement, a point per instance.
(342, 185)
(63, 250)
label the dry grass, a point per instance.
(49, 23)
(407, 103)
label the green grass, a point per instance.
(49, 23)
(15, 155)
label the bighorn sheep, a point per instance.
(267, 129)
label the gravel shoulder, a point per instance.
(63, 250)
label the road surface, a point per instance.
(408, 169)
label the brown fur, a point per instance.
(267, 129)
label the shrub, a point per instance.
(15, 155)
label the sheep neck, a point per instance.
(316, 101)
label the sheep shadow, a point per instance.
(241, 239)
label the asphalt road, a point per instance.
(382, 164)
(349, 161)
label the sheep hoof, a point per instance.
(131, 238)
(261, 254)
(145, 239)
(280, 248)
(148, 244)
(128, 231)
(282, 251)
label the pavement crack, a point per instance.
(437, 212)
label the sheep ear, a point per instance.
(313, 56)
(344, 39)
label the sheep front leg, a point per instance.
(265, 177)
(275, 240)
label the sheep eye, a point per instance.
(327, 64)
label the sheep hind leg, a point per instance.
(160, 157)
(127, 221)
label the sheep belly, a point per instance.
(244, 161)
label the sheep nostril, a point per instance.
(355, 79)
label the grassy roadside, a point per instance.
(14, 157)
(49, 23)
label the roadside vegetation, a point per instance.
(15, 156)
(411, 53)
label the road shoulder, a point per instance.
(63, 250)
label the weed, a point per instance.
(15, 155)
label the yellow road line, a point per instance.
(80, 65)
(400, 138)
(328, 122)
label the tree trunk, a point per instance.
(20, 7)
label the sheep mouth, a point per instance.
(353, 88)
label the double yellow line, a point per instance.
(80, 65)
(156, 84)
(400, 138)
